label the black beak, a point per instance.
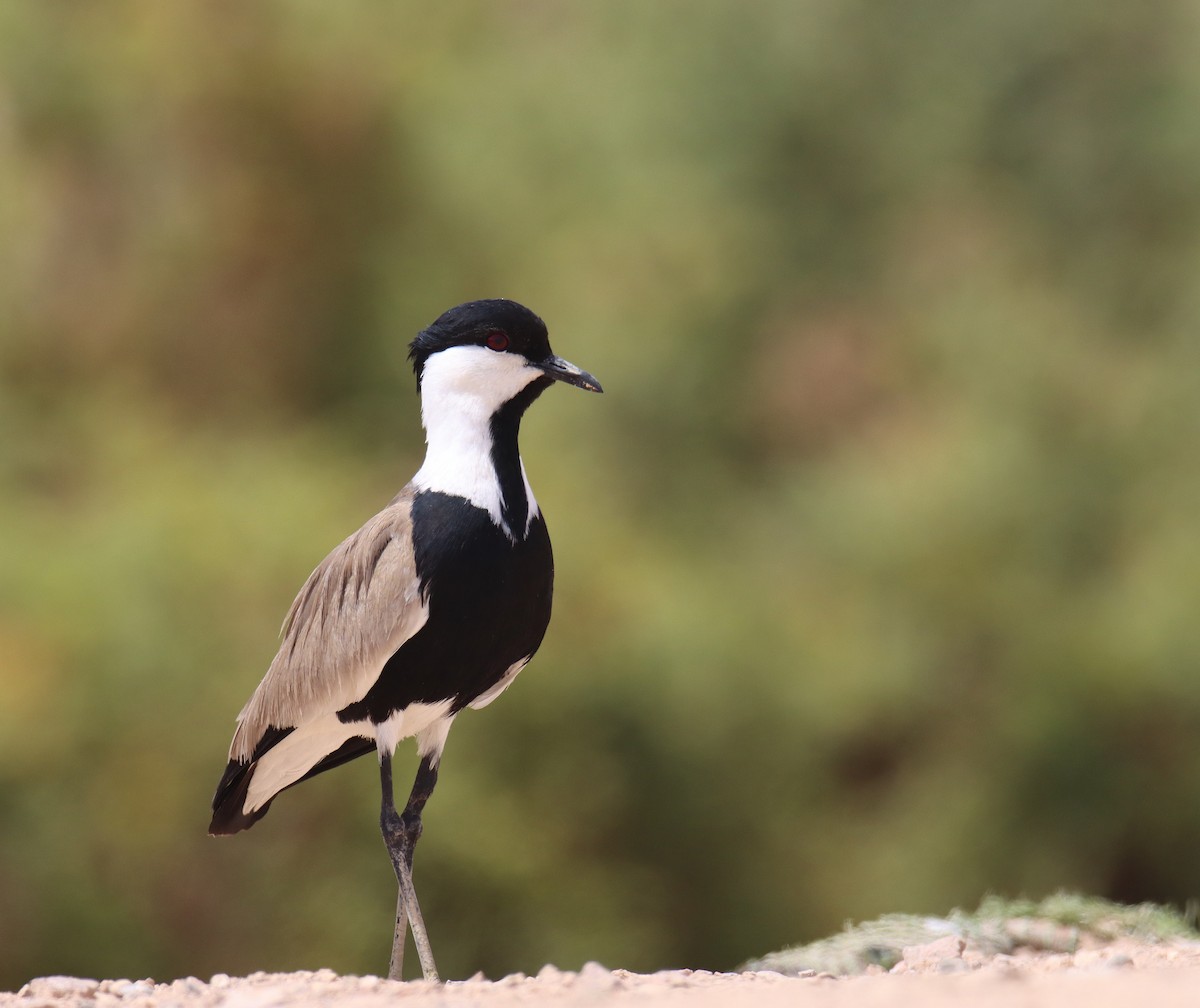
(565, 371)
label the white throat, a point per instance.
(461, 388)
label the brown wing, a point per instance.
(355, 610)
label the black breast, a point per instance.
(489, 605)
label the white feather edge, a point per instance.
(292, 757)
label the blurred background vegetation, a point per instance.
(877, 561)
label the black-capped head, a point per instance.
(495, 347)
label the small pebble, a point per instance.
(952, 964)
(131, 990)
(931, 953)
(60, 986)
(596, 977)
(188, 985)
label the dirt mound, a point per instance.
(1064, 951)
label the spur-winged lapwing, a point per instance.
(434, 605)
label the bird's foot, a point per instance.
(400, 834)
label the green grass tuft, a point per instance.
(1056, 924)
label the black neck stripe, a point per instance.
(506, 456)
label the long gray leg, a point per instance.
(400, 834)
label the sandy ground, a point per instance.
(1121, 973)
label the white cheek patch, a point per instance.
(486, 378)
(461, 388)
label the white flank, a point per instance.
(414, 719)
(432, 740)
(461, 388)
(505, 681)
(292, 757)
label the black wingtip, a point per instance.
(229, 802)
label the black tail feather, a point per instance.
(230, 799)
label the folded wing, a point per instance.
(355, 610)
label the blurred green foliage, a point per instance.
(878, 561)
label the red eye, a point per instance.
(497, 340)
